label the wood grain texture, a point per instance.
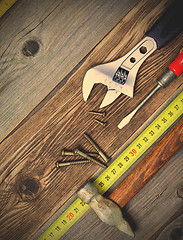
(32, 188)
(66, 32)
(149, 166)
(174, 230)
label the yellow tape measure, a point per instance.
(171, 113)
(5, 5)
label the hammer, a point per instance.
(108, 210)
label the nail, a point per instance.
(106, 159)
(78, 152)
(63, 164)
(71, 153)
(93, 154)
(100, 122)
(103, 114)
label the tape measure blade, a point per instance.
(70, 216)
(5, 5)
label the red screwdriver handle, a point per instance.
(177, 65)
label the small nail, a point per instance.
(70, 153)
(103, 114)
(63, 164)
(106, 159)
(100, 122)
(93, 154)
(78, 152)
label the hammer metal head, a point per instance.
(107, 211)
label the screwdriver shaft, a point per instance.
(127, 119)
(163, 81)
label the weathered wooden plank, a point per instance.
(41, 42)
(32, 189)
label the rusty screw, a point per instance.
(71, 153)
(78, 152)
(67, 153)
(103, 156)
(63, 164)
(103, 114)
(104, 124)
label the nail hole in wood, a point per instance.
(28, 188)
(30, 48)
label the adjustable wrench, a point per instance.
(119, 76)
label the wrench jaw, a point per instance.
(91, 78)
(110, 97)
(113, 94)
(88, 84)
(101, 74)
(115, 89)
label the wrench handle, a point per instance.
(169, 25)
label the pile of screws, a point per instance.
(88, 157)
(102, 114)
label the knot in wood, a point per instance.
(180, 192)
(30, 48)
(28, 189)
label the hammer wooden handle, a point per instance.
(149, 166)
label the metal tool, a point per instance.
(107, 211)
(119, 76)
(174, 70)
